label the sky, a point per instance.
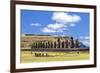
(75, 24)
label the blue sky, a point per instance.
(74, 24)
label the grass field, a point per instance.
(27, 57)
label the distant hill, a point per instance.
(36, 34)
(83, 46)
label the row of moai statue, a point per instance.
(67, 43)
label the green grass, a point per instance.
(27, 57)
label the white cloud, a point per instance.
(84, 38)
(35, 24)
(62, 22)
(65, 18)
(54, 28)
(72, 25)
(48, 30)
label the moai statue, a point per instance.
(62, 44)
(55, 44)
(66, 44)
(58, 42)
(77, 43)
(72, 42)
